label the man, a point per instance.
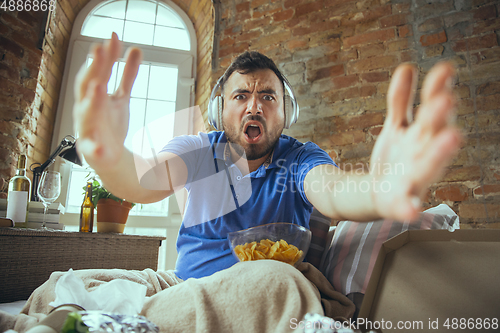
(246, 175)
(253, 120)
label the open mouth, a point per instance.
(253, 131)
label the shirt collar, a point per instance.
(221, 151)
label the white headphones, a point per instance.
(216, 104)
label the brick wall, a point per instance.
(339, 55)
(19, 71)
(30, 78)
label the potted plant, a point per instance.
(112, 212)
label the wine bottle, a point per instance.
(18, 198)
(87, 211)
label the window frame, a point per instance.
(185, 61)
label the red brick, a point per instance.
(307, 8)
(479, 211)
(11, 46)
(347, 138)
(370, 37)
(489, 88)
(487, 103)
(323, 15)
(322, 61)
(475, 43)
(13, 22)
(226, 41)
(371, 50)
(452, 193)
(435, 9)
(257, 3)
(405, 31)
(226, 51)
(394, 20)
(455, 18)
(485, 26)
(265, 13)
(316, 27)
(283, 15)
(399, 44)
(353, 17)
(375, 131)
(327, 40)
(431, 24)
(485, 13)
(292, 23)
(437, 38)
(398, 8)
(243, 7)
(242, 16)
(462, 174)
(487, 189)
(343, 10)
(295, 43)
(31, 18)
(359, 122)
(340, 82)
(348, 55)
(364, 27)
(435, 50)
(249, 36)
(496, 172)
(263, 22)
(292, 3)
(367, 91)
(7, 72)
(373, 63)
(322, 73)
(233, 30)
(375, 77)
(341, 95)
(486, 56)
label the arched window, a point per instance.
(164, 85)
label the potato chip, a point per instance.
(267, 249)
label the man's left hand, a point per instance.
(408, 157)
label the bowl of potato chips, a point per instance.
(280, 241)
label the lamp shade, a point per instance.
(71, 155)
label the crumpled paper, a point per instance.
(118, 296)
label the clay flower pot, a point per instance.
(112, 215)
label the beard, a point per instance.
(252, 151)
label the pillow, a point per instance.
(354, 249)
(319, 226)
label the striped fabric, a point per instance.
(319, 226)
(355, 246)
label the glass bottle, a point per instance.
(87, 211)
(18, 198)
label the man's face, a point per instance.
(253, 115)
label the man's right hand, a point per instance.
(101, 121)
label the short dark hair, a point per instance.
(248, 62)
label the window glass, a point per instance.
(150, 113)
(139, 33)
(102, 27)
(138, 21)
(163, 83)
(113, 9)
(171, 37)
(168, 18)
(141, 11)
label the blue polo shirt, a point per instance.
(221, 199)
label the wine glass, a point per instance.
(49, 189)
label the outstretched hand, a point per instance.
(101, 120)
(408, 157)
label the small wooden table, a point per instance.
(29, 256)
